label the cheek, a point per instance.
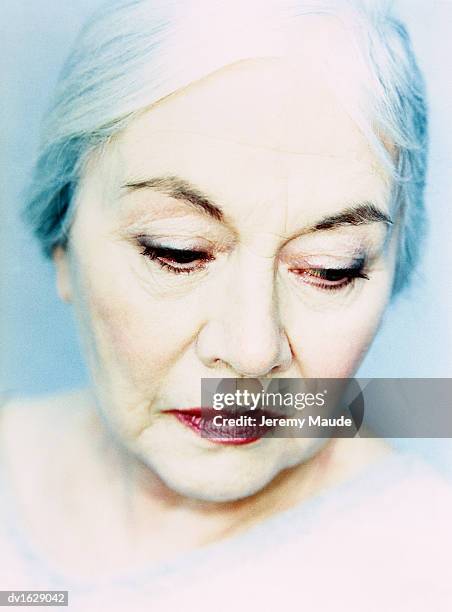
(340, 350)
(331, 343)
(133, 338)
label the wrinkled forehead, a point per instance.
(266, 103)
(271, 117)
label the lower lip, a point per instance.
(193, 419)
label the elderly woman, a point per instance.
(227, 190)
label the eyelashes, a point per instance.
(177, 261)
(331, 279)
(189, 261)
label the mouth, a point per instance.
(225, 428)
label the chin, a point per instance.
(224, 486)
(227, 474)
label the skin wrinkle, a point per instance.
(260, 147)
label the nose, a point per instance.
(242, 331)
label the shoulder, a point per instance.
(47, 456)
(25, 420)
(40, 436)
(33, 434)
(50, 404)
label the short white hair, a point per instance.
(132, 54)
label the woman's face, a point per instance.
(235, 229)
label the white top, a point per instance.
(381, 542)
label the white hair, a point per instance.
(132, 54)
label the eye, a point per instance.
(176, 261)
(330, 279)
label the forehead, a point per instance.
(257, 131)
(272, 103)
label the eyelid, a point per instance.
(326, 261)
(184, 228)
(183, 242)
(345, 242)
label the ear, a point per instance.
(63, 276)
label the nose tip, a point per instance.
(260, 356)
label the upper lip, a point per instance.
(192, 411)
(226, 412)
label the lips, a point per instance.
(201, 421)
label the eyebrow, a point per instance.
(362, 214)
(181, 189)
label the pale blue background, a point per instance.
(39, 351)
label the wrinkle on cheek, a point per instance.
(125, 338)
(138, 338)
(126, 375)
